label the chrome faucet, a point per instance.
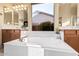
(58, 35)
(22, 38)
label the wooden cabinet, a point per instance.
(10, 34)
(74, 43)
(71, 37)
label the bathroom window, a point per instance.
(43, 17)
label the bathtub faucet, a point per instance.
(22, 38)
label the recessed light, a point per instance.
(19, 6)
(22, 5)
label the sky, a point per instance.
(48, 8)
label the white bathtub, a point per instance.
(53, 46)
(45, 46)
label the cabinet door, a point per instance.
(71, 37)
(74, 43)
(68, 35)
(15, 34)
(6, 36)
(67, 40)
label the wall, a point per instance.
(1, 22)
(77, 14)
(30, 17)
(1, 16)
(56, 22)
(0, 37)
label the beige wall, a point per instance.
(30, 17)
(78, 10)
(77, 14)
(1, 16)
(0, 37)
(56, 24)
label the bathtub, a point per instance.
(53, 46)
(38, 46)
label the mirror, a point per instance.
(7, 17)
(16, 15)
(21, 18)
(16, 21)
(67, 15)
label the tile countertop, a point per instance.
(7, 26)
(70, 27)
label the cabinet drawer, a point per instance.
(15, 31)
(70, 32)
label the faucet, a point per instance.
(22, 38)
(58, 35)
